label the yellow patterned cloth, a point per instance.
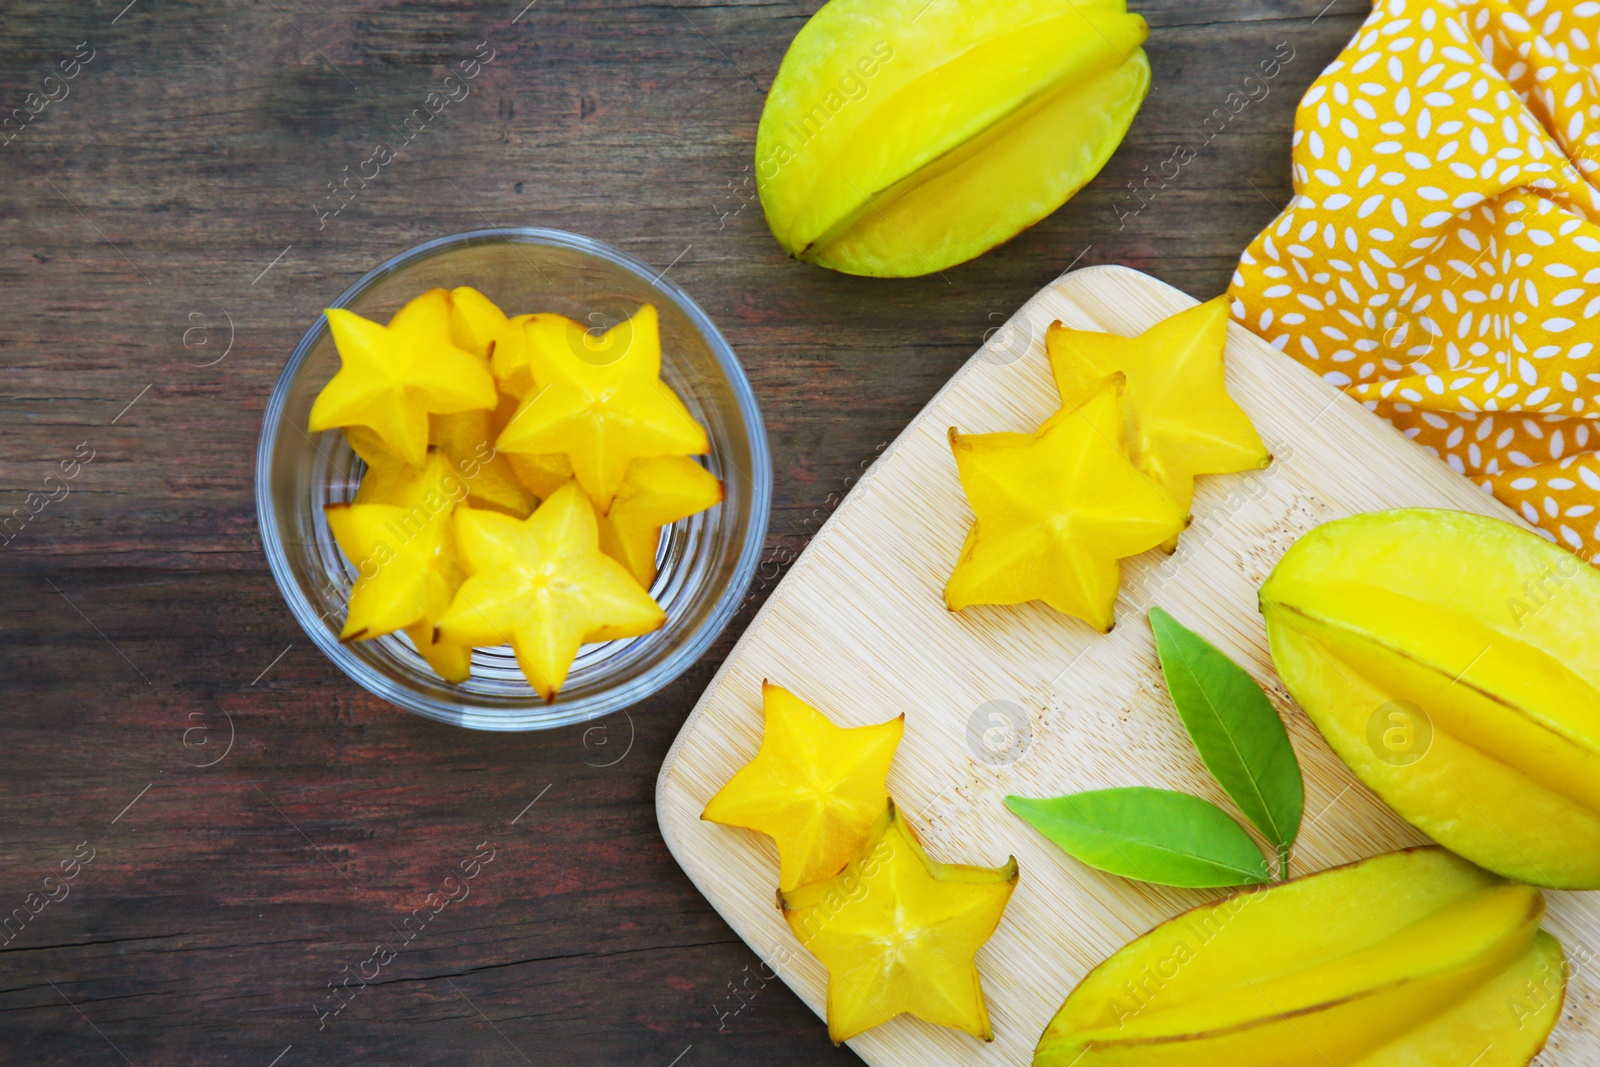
(1440, 260)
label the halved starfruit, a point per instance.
(1407, 959)
(1453, 661)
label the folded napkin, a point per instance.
(1438, 261)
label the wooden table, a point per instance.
(166, 241)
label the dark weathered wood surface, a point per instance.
(176, 190)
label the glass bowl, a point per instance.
(707, 561)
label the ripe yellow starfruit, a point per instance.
(901, 137)
(391, 378)
(387, 476)
(1452, 661)
(408, 570)
(466, 439)
(542, 585)
(542, 475)
(899, 932)
(656, 491)
(815, 788)
(1056, 510)
(601, 403)
(478, 325)
(1406, 959)
(1180, 419)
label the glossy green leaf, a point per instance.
(1154, 835)
(1239, 735)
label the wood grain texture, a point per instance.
(859, 629)
(172, 194)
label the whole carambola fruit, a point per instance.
(1409, 958)
(1453, 661)
(901, 137)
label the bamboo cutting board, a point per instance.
(1023, 700)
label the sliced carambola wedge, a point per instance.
(815, 788)
(542, 585)
(1055, 511)
(478, 325)
(1178, 416)
(467, 439)
(898, 933)
(404, 552)
(541, 475)
(656, 491)
(1353, 966)
(602, 406)
(391, 378)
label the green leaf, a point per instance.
(1239, 735)
(1154, 835)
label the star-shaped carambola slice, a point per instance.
(464, 440)
(1180, 419)
(899, 933)
(542, 475)
(449, 661)
(392, 377)
(404, 553)
(467, 439)
(656, 491)
(387, 475)
(815, 788)
(1056, 509)
(601, 401)
(478, 325)
(542, 585)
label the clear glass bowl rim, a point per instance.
(555, 715)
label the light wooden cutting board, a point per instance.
(859, 629)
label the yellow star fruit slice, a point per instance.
(815, 788)
(464, 441)
(1055, 511)
(390, 480)
(601, 401)
(1180, 419)
(899, 932)
(404, 554)
(449, 661)
(392, 377)
(478, 325)
(466, 438)
(542, 475)
(386, 476)
(655, 492)
(542, 585)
